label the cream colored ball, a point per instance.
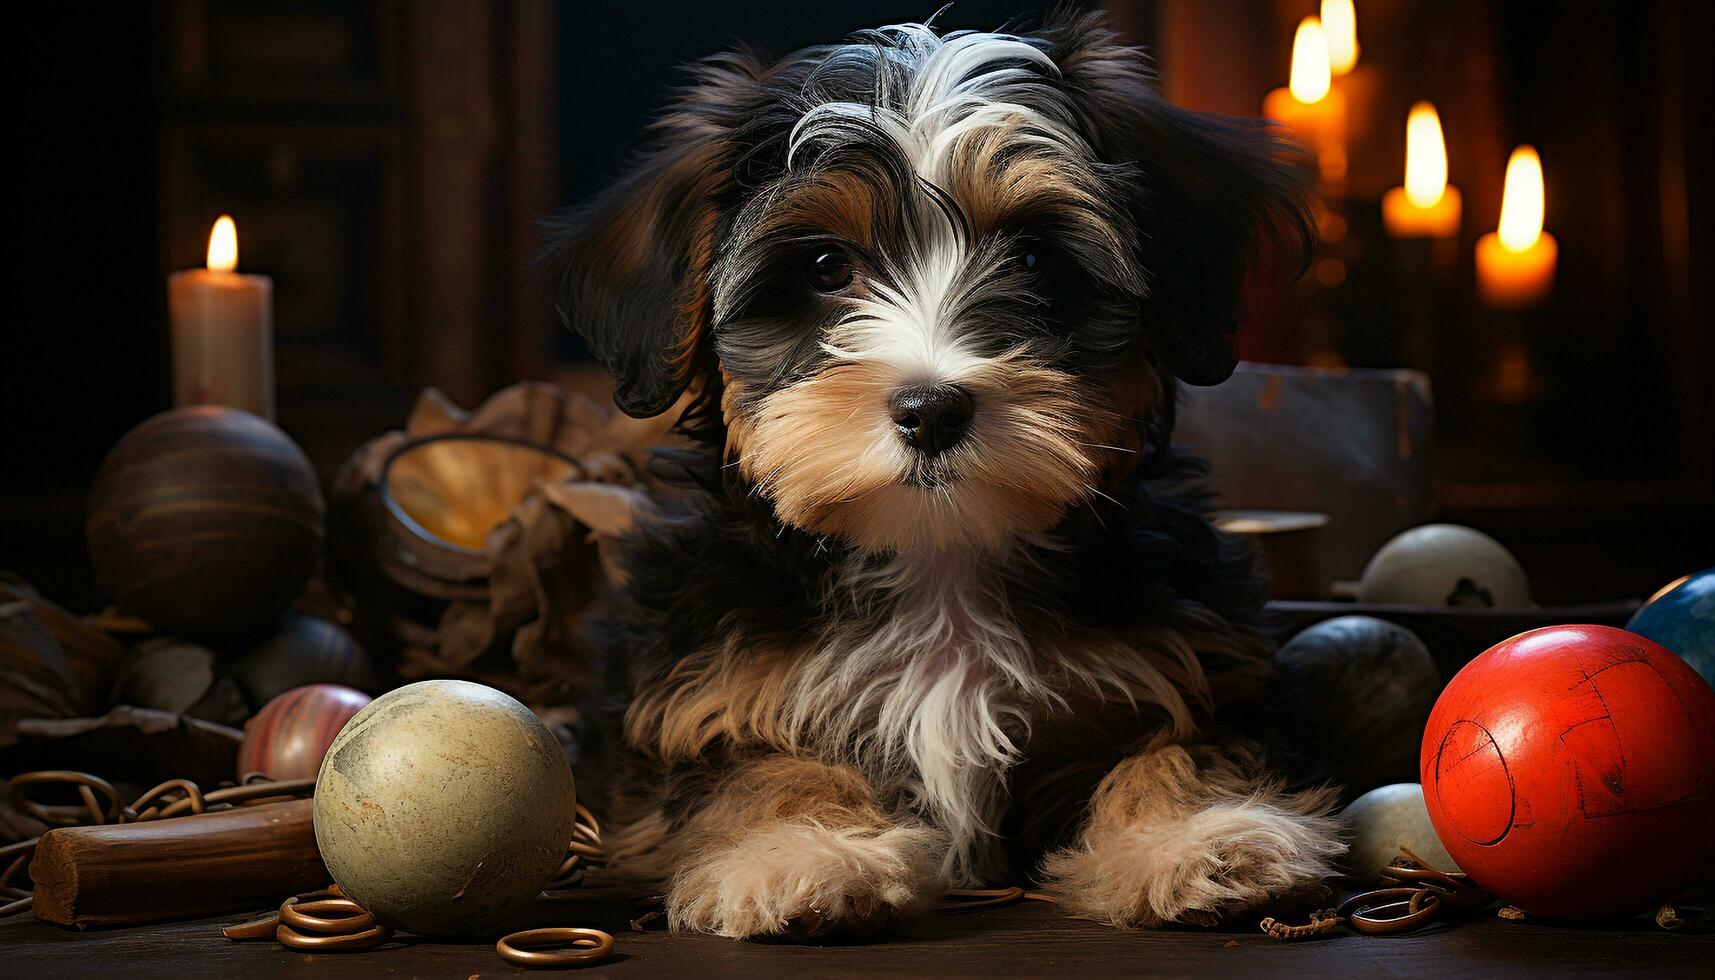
(443, 807)
(1384, 820)
(1445, 565)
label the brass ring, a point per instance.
(264, 927)
(348, 916)
(590, 946)
(342, 932)
(584, 815)
(1420, 904)
(287, 936)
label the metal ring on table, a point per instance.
(302, 915)
(349, 942)
(1420, 904)
(352, 931)
(589, 946)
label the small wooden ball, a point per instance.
(444, 807)
(205, 522)
(302, 650)
(1444, 565)
(1358, 691)
(289, 736)
(1384, 820)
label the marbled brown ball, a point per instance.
(205, 521)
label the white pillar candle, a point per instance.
(222, 331)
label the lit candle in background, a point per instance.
(1340, 28)
(222, 330)
(1427, 206)
(1310, 106)
(1515, 262)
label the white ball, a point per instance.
(1381, 822)
(443, 807)
(1445, 565)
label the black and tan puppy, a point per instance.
(946, 609)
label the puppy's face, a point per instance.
(924, 274)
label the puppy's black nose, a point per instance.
(932, 418)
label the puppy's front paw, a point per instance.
(803, 880)
(1209, 865)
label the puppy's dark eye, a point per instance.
(829, 270)
(1032, 257)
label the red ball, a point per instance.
(289, 736)
(1571, 771)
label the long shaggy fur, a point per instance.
(784, 845)
(847, 671)
(1178, 835)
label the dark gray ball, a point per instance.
(1357, 692)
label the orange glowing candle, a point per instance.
(1515, 262)
(1427, 206)
(1310, 106)
(222, 330)
(1340, 28)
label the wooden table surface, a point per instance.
(1023, 940)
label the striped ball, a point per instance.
(289, 736)
(204, 521)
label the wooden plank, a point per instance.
(175, 868)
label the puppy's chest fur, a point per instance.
(931, 674)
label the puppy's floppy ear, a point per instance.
(629, 272)
(1209, 191)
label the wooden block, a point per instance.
(242, 859)
(1357, 445)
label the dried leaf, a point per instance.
(35, 679)
(606, 509)
(92, 654)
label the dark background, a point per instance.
(387, 164)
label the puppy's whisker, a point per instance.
(1092, 490)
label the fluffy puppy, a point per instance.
(944, 608)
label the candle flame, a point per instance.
(1522, 201)
(223, 245)
(1311, 77)
(1340, 27)
(1425, 157)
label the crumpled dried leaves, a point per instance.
(512, 612)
